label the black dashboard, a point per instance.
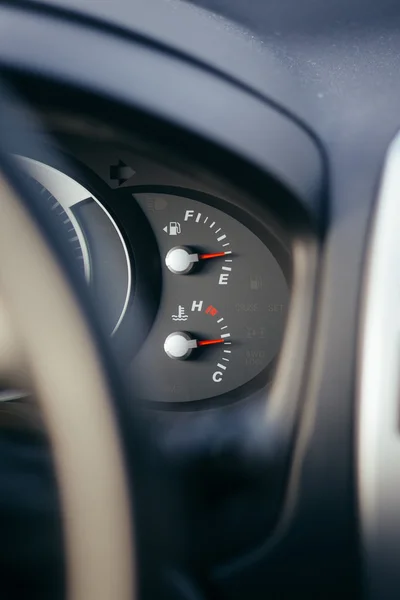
(216, 181)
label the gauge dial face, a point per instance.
(223, 306)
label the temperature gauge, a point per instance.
(182, 345)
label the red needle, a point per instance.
(209, 342)
(215, 255)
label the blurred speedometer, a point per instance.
(69, 226)
(94, 236)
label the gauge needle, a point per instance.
(180, 260)
(179, 344)
(209, 342)
(214, 255)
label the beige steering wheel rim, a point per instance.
(45, 345)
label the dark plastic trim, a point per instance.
(186, 95)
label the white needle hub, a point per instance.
(179, 345)
(180, 260)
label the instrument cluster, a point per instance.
(192, 286)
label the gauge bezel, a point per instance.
(254, 213)
(121, 202)
(147, 160)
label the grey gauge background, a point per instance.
(252, 301)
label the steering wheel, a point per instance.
(50, 346)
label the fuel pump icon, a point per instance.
(173, 228)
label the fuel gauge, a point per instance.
(181, 260)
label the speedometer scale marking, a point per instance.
(67, 227)
(222, 308)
